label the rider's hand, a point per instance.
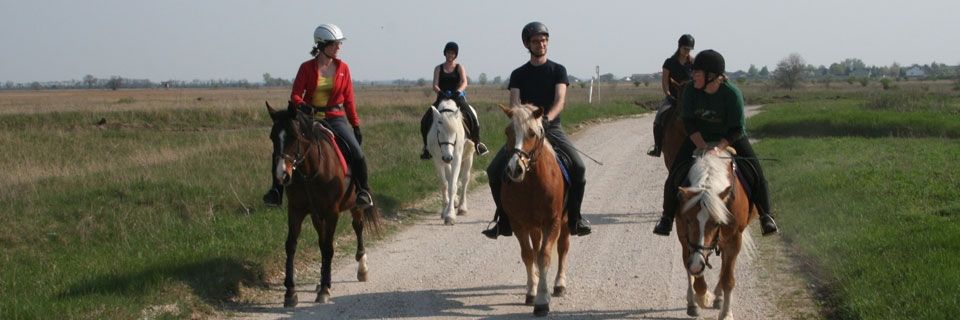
(458, 94)
(356, 133)
(713, 151)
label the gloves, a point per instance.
(356, 133)
(306, 108)
(458, 94)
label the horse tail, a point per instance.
(748, 246)
(371, 218)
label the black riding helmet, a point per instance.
(532, 29)
(451, 46)
(709, 61)
(685, 41)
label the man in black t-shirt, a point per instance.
(542, 83)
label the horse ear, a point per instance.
(506, 110)
(436, 113)
(537, 112)
(271, 111)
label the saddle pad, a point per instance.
(333, 141)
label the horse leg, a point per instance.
(441, 172)
(541, 306)
(727, 278)
(294, 220)
(563, 246)
(466, 166)
(692, 309)
(527, 255)
(451, 209)
(326, 256)
(361, 255)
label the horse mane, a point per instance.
(708, 178)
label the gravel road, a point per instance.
(621, 271)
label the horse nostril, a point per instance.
(447, 159)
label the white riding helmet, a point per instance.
(327, 32)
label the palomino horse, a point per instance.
(714, 217)
(452, 157)
(316, 185)
(532, 198)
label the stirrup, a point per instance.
(491, 232)
(663, 227)
(273, 198)
(482, 148)
(364, 200)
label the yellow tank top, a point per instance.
(322, 94)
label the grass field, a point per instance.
(157, 211)
(867, 190)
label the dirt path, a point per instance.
(620, 271)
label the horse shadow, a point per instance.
(213, 280)
(443, 303)
(623, 218)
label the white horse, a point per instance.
(452, 157)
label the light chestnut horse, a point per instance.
(452, 157)
(532, 198)
(318, 187)
(714, 218)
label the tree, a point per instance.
(894, 70)
(607, 77)
(89, 80)
(752, 71)
(115, 83)
(764, 72)
(421, 82)
(790, 71)
(482, 79)
(497, 80)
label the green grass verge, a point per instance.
(872, 197)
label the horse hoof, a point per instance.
(323, 296)
(541, 310)
(290, 301)
(717, 303)
(448, 221)
(361, 276)
(529, 300)
(693, 311)
(461, 212)
(559, 291)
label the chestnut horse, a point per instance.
(452, 157)
(316, 185)
(714, 218)
(533, 199)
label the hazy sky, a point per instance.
(44, 40)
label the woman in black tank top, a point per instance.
(449, 81)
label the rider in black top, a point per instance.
(677, 70)
(542, 83)
(450, 85)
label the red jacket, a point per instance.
(306, 84)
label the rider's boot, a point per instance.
(501, 226)
(767, 225)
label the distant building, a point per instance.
(915, 72)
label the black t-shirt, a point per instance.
(538, 84)
(678, 72)
(449, 81)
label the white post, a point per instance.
(598, 83)
(590, 95)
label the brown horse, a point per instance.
(316, 185)
(673, 131)
(714, 218)
(532, 197)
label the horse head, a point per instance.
(525, 138)
(705, 208)
(290, 145)
(448, 128)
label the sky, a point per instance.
(52, 40)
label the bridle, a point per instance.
(442, 143)
(531, 157)
(301, 154)
(705, 251)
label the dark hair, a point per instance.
(315, 51)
